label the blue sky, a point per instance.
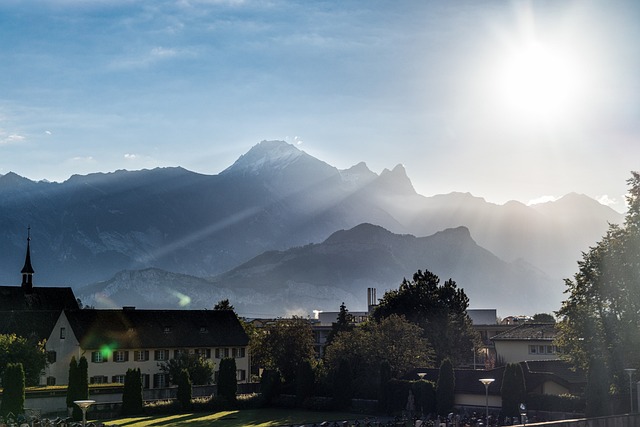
(506, 100)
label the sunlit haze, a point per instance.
(521, 100)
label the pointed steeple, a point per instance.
(27, 270)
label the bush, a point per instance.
(425, 396)
(270, 385)
(553, 403)
(398, 395)
(13, 384)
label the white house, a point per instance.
(115, 340)
(528, 341)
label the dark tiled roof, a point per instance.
(538, 371)
(29, 324)
(39, 298)
(528, 331)
(131, 329)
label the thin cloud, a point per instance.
(10, 138)
(152, 56)
(129, 156)
(607, 201)
(83, 159)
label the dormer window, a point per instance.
(167, 329)
(203, 329)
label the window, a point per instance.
(241, 375)
(63, 333)
(217, 353)
(51, 356)
(161, 355)
(533, 349)
(160, 380)
(203, 329)
(118, 379)
(226, 353)
(167, 329)
(98, 357)
(145, 381)
(121, 356)
(204, 352)
(99, 379)
(141, 355)
(234, 352)
(51, 380)
(242, 352)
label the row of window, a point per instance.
(164, 354)
(543, 349)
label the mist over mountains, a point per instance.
(281, 231)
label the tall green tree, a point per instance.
(184, 390)
(602, 310)
(132, 401)
(344, 323)
(29, 352)
(227, 382)
(73, 382)
(597, 396)
(283, 345)
(393, 340)
(445, 388)
(441, 312)
(305, 381)
(13, 389)
(342, 385)
(224, 305)
(513, 390)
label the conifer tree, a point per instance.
(184, 390)
(445, 388)
(227, 382)
(13, 389)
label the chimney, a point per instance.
(372, 300)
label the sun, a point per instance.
(538, 83)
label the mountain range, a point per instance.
(280, 231)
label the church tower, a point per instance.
(27, 270)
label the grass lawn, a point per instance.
(247, 417)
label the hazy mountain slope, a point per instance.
(321, 276)
(274, 197)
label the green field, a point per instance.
(247, 417)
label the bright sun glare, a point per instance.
(537, 83)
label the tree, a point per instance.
(184, 389)
(344, 324)
(270, 384)
(445, 388)
(305, 380)
(73, 382)
(13, 382)
(602, 310)
(77, 385)
(543, 318)
(224, 305)
(283, 345)
(597, 390)
(441, 312)
(200, 368)
(227, 382)
(513, 390)
(132, 393)
(342, 387)
(393, 340)
(30, 352)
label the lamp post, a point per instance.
(421, 375)
(486, 382)
(630, 372)
(84, 405)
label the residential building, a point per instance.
(116, 340)
(526, 342)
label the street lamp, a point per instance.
(421, 375)
(630, 372)
(84, 405)
(486, 382)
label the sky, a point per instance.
(518, 100)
